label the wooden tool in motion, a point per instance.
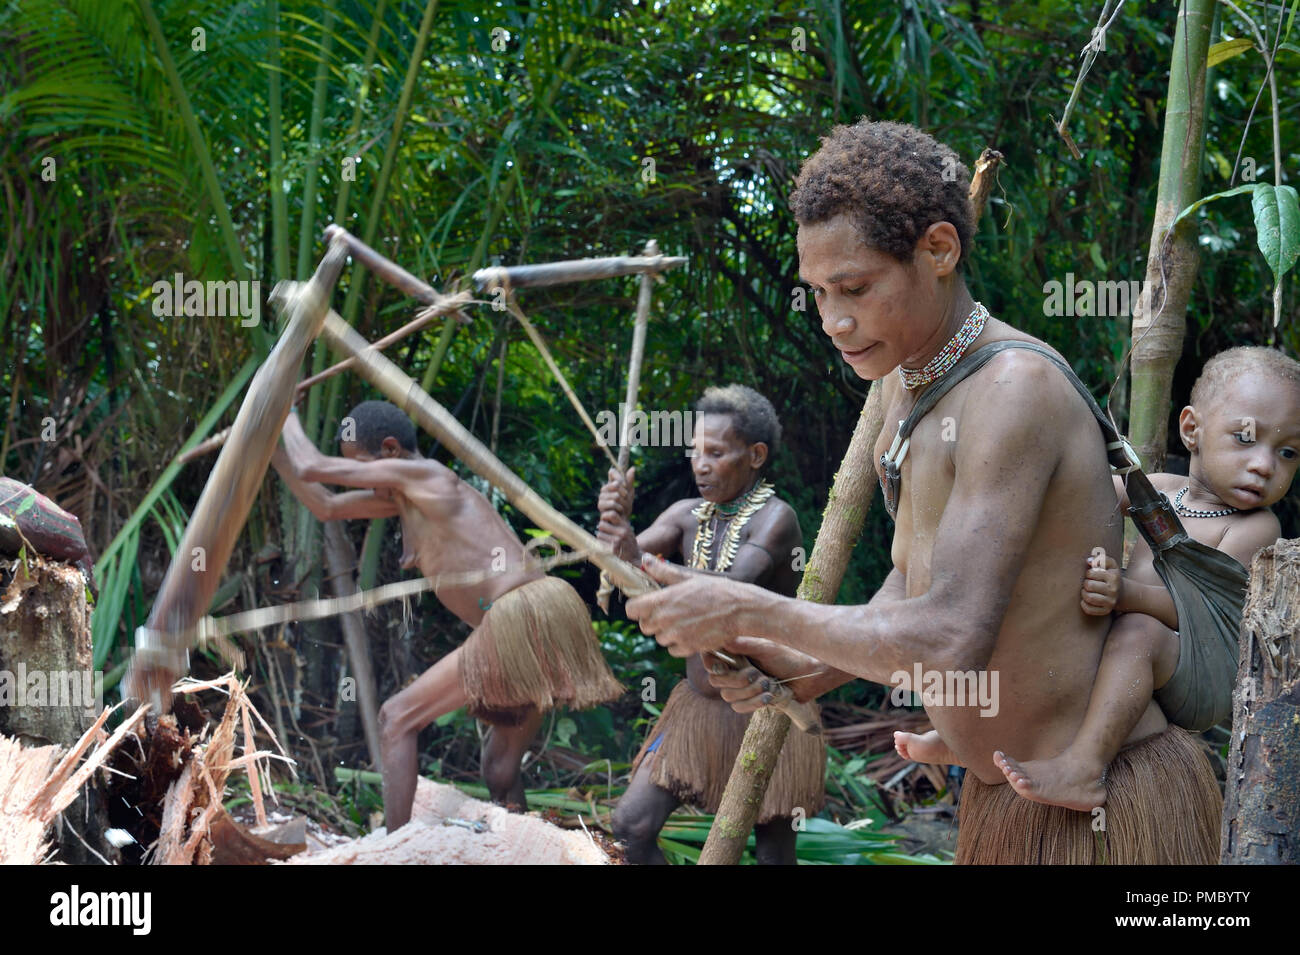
(161, 649)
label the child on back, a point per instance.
(1242, 430)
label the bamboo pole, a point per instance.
(846, 511)
(639, 327)
(574, 270)
(1160, 317)
(391, 272)
(437, 421)
(342, 559)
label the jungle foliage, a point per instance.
(216, 140)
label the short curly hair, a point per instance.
(1227, 366)
(751, 414)
(376, 420)
(893, 180)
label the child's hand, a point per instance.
(1101, 586)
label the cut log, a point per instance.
(49, 692)
(448, 827)
(1261, 810)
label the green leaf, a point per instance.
(1277, 222)
(1227, 49)
(1249, 187)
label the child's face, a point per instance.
(1246, 447)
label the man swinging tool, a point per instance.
(532, 648)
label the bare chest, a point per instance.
(925, 480)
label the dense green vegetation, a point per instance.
(215, 140)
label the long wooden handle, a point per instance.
(219, 516)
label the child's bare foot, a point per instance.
(925, 748)
(1059, 781)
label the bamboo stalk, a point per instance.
(846, 511)
(1172, 257)
(573, 270)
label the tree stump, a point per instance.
(48, 691)
(1261, 811)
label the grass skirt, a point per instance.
(701, 739)
(1163, 807)
(534, 650)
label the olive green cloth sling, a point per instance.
(1207, 586)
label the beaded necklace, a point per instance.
(950, 354)
(1193, 512)
(741, 510)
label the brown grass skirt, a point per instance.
(1162, 807)
(701, 739)
(534, 650)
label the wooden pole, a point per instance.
(162, 650)
(846, 511)
(639, 327)
(390, 271)
(1261, 809)
(842, 520)
(574, 270)
(635, 359)
(341, 557)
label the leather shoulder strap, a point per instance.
(976, 360)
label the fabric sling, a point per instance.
(1207, 586)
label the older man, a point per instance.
(1001, 491)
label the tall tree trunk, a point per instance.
(1160, 317)
(1261, 810)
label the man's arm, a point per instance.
(1004, 462)
(809, 677)
(304, 469)
(326, 505)
(774, 535)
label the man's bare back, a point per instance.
(448, 527)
